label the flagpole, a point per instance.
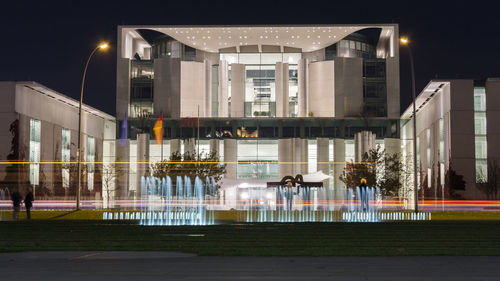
(198, 132)
(161, 145)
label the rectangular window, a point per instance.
(481, 146)
(312, 166)
(429, 162)
(90, 160)
(441, 140)
(263, 158)
(480, 123)
(215, 91)
(479, 99)
(35, 130)
(481, 153)
(65, 156)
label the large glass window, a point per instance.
(312, 155)
(263, 155)
(35, 131)
(260, 68)
(141, 88)
(260, 98)
(374, 87)
(91, 164)
(481, 145)
(65, 156)
(215, 91)
(480, 123)
(293, 91)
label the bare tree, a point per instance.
(490, 184)
(109, 175)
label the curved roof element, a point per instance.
(307, 38)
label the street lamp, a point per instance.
(101, 46)
(406, 42)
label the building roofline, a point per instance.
(44, 90)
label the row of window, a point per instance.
(481, 153)
(35, 149)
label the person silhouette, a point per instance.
(28, 203)
(289, 195)
(364, 194)
(16, 203)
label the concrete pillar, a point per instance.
(339, 159)
(237, 90)
(208, 88)
(321, 100)
(214, 147)
(122, 178)
(285, 157)
(300, 156)
(223, 81)
(231, 158)
(142, 159)
(323, 154)
(303, 76)
(175, 146)
(364, 141)
(281, 85)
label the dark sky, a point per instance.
(49, 41)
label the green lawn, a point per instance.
(309, 239)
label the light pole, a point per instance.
(405, 42)
(101, 46)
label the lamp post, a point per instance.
(101, 46)
(405, 42)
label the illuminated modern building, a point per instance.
(38, 124)
(453, 126)
(263, 94)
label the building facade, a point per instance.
(453, 130)
(268, 100)
(39, 131)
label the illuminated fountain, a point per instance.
(365, 208)
(306, 205)
(159, 205)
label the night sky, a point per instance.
(49, 41)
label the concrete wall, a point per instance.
(462, 133)
(122, 87)
(231, 158)
(223, 88)
(303, 81)
(318, 55)
(167, 87)
(393, 87)
(192, 89)
(7, 116)
(237, 90)
(322, 89)
(285, 157)
(26, 100)
(492, 115)
(281, 85)
(348, 87)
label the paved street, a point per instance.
(111, 266)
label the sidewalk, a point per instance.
(112, 266)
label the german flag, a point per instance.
(158, 129)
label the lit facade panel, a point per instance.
(296, 90)
(452, 117)
(46, 124)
